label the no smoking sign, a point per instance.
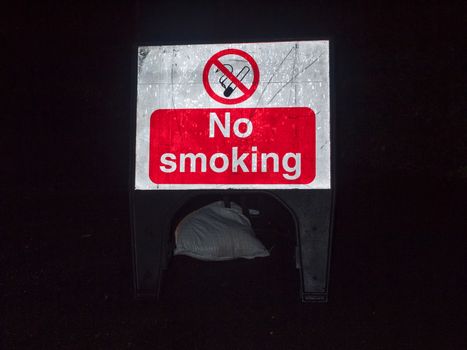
(234, 85)
(233, 116)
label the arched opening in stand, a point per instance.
(268, 278)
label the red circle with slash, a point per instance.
(247, 92)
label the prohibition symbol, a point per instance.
(229, 80)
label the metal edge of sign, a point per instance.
(333, 162)
(132, 162)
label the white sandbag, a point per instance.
(215, 233)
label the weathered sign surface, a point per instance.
(228, 116)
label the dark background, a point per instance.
(398, 266)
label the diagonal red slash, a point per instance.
(232, 77)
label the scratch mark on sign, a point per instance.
(293, 91)
(324, 144)
(293, 72)
(142, 54)
(273, 75)
(290, 81)
(290, 97)
(172, 79)
(238, 60)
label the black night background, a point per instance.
(398, 255)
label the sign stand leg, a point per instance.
(153, 213)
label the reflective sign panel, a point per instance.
(226, 116)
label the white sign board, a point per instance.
(233, 116)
